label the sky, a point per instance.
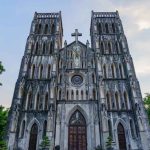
(16, 17)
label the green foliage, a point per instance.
(3, 122)
(98, 148)
(109, 142)
(45, 143)
(147, 104)
(1, 69)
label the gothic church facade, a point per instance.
(77, 95)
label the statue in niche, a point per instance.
(76, 55)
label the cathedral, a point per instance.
(80, 96)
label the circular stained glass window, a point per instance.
(77, 80)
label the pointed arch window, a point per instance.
(60, 94)
(86, 95)
(132, 128)
(51, 47)
(125, 99)
(37, 101)
(36, 48)
(44, 48)
(29, 100)
(77, 95)
(94, 94)
(106, 28)
(46, 102)
(46, 29)
(93, 78)
(109, 48)
(53, 29)
(117, 100)
(121, 71)
(44, 128)
(117, 48)
(32, 71)
(102, 47)
(40, 71)
(81, 95)
(32, 48)
(113, 28)
(113, 70)
(48, 72)
(110, 128)
(120, 46)
(108, 101)
(72, 95)
(39, 29)
(99, 27)
(22, 130)
(104, 71)
(33, 137)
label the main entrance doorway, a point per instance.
(33, 137)
(77, 138)
(121, 137)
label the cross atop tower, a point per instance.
(76, 34)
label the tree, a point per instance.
(147, 104)
(3, 122)
(1, 69)
(45, 143)
(109, 143)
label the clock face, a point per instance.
(77, 80)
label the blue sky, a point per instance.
(16, 17)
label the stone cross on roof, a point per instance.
(76, 34)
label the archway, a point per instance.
(121, 137)
(33, 137)
(77, 138)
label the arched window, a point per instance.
(67, 95)
(106, 28)
(37, 101)
(104, 71)
(121, 137)
(46, 102)
(44, 128)
(30, 101)
(125, 99)
(113, 28)
(46, 29)
(109, 48)
(99, 27)
(117, 48)
(53, 29)
(40, 71)
(36, 28)
(113, 71)
(117, 100)
(72, 95)
(36, 48)
(77, 129)
(120, 46)
(32, 71)
(132, 128)
(51, 47)
(81, 95)
(108, 101)
(48, 72)
(102, 47)
(86, 95)
(60, 94)
(110, 128)
(33, 137)
(22, 130)
(94, 94)
(93, 78)
(77, 95)
(32, 48)
(121, 71)
(39, 29)
(44, 48)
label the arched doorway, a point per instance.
(33, 137)
(77, 138)
(121, 137)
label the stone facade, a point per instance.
(97, 82)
